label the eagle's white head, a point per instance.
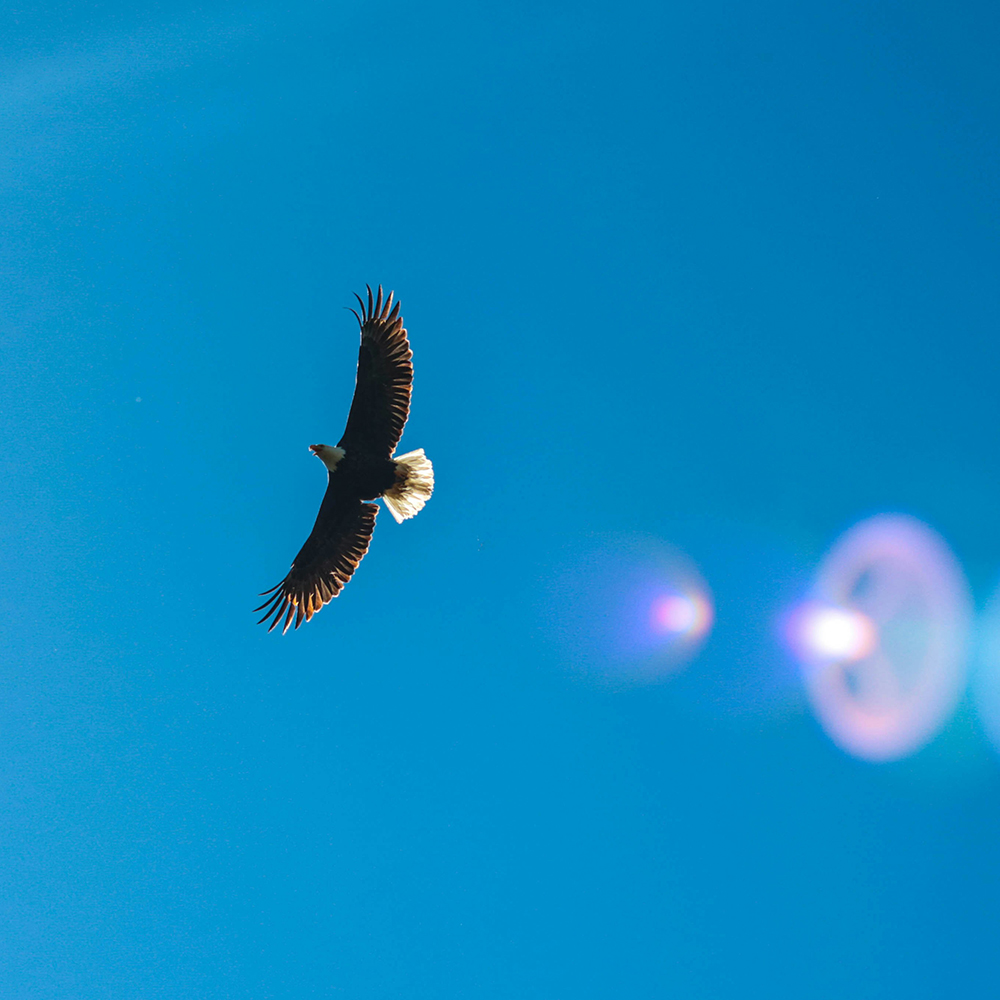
(328, 454)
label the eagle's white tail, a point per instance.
(414, 485)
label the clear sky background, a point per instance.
(715, 274)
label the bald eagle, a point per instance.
(361, 467)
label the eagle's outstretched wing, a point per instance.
(338, 542)
(385, 378)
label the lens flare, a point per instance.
(882, 641)
(633, 610)
(986, 673)
(688, 615)
(820, 632)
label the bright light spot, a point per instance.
(631, 610)
(837, 633)
(682, 614)
(674, 613)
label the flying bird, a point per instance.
(361, 467)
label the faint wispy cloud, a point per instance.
(47, 98)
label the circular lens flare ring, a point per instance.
(986, 675)
(882, 643)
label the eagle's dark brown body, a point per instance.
(364, 475)
(361, 468)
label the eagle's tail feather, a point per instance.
(413, 487)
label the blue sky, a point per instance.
(711, 275)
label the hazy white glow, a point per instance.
(986, 676)
(837, 633)
(682, 614)
(631, 610)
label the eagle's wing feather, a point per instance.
(338, 542)
(385, 378)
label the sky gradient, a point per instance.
(715, 277)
